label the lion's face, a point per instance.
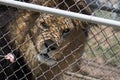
(50, 34)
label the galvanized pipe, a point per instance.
(54, 11)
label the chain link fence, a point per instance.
(43, 46)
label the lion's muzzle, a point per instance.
(47, 52)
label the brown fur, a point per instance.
(29, 38)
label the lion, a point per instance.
(49, 44)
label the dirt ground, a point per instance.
(94, 71)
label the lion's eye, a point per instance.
(44, 25)
(65, 32)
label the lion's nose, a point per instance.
(50, 45)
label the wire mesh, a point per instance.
(42, 46)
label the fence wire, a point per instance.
(42, 46)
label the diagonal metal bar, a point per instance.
(73, 15)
